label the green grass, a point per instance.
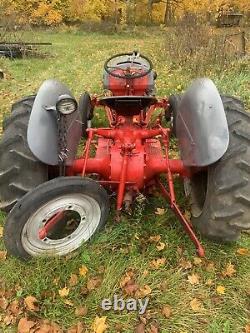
(77, 59)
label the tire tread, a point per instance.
(20, 171)
(226, 210)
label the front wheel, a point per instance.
(56, 218)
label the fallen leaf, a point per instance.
(78, 328)
(247, 328)
(73, 280)
(81, 311)
(56, 328)
(94, 283)
(3, 303)
(216, 300)
(24, 325)
(118, 328)
(196, 305)
(140, 328)
(14, 308)
(45, 326)
(1, 232)
(68, 302)
(9, 319)
(84, 290)
(160, 211)
(48, 327)
(209, 282)
(143, 319)
(220, 290)
(153, 329)
(187, 215)
(83, 270)
(131, 288)
(229, 270)
(185, 264)
(242, 251)
(166, 311)
(197, 261)
(63, 292)
(193, 279)
(31, 303)
(155, 239)
(126, 278)
(99, 325)
(163, 286)
(161, 246)
(3, 255)
(157, 263)
(210, 267)
(143, 291)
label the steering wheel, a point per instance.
(126, 62)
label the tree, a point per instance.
(170, 7)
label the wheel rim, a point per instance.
(86, 207)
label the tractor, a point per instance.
(57, 172)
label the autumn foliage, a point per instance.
(54, 12)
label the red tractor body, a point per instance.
(128, 157)
(130, 154)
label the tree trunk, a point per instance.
(150, 8)
(168, 13)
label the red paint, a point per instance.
(133, 151)
(128, 86)
(43, 232)
(187, 226)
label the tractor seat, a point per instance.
(128, 105)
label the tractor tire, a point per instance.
(174, 101)
(86, 112)
(20, 171)
(81, 201)
(221, 194)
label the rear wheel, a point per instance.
(86, 111)
(221, 194)
(56, 218)
(20, 171)
(171, 113)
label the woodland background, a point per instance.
(148, 252)
(119, 12)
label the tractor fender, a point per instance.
(42, 134)
(201, 125)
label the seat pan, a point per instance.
(128, 104)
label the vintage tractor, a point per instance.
(58, 198)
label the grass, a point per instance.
(77, 58)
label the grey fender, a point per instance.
(42, 134)
(201, 125)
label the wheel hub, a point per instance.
(61, 225)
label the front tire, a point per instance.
(20, 170)
(221, 194)
(83, 203)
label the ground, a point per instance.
(148, 252)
